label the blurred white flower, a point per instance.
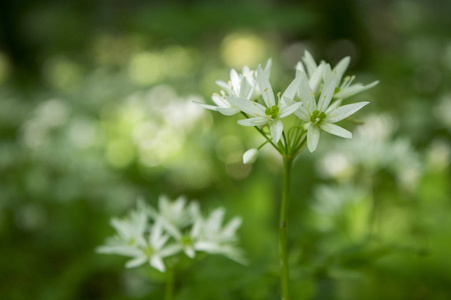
(151, 235)
(140, 241)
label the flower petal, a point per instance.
(336, 130)
(343, 112)
(316, 78)
(253, 121)
(225, 86)
(306, 94)
(249, 107)
(276, 128)
(268, 68)
(265, 88)
(327, 93)
(157, 263)
(302, 114)
(290, 92)
(287, 110)
(228, 111)
(136, 262)
(312, 137)
(341, 67)
(354, 89)
(309, 63)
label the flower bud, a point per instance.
(250, 156)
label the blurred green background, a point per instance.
(96, 109)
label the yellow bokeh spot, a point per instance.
(147, 68)
(243, 49)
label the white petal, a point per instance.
(228, 111)
(336, 130)
(306, 94)
(302, 114)
(226, 87)
(276, 128)
(157, 263)
(268, 68)
(170, 250)
(235, 79)
(136, 262)
(190, 252)
(265, 88)
(287, 110)
(207, 106)
(232, 226)
(299, 68)
(316, 78)
(341, 67)
(333, 106)
(343, 112)
(312, 137)
(219, 101)
(253, 121)
(309, 62)
(327, 93)
(354, 89)
(249, 107)
(244, 88)
(290, 92)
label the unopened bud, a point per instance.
(250, 156)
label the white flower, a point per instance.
(175, 217)
(250, 156)
(318, 74)
(209, 235)
(132, 242)
(242, 85)
(273, 112)
(322, 116)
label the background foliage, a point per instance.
(96, 109)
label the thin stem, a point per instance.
(170, 284)
(283, 230)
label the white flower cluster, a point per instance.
(176, 227)
(314, 96)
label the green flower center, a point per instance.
(273, 111)
(149, 251)
(317, 117)
(186, 240)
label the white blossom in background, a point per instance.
(151, 235)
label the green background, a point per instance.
(96, 110)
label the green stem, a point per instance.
(283, 230)
(170, 284)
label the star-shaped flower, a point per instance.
(241, 85)
(273, 112)
(322, 116)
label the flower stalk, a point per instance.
(170, 284)
(283, 229)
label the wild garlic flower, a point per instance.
(151, 235)
(273, 112)
(322, 116)
(140, 241)
(210, 236)
(318, 74)
(250, 156)
(243, 85)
